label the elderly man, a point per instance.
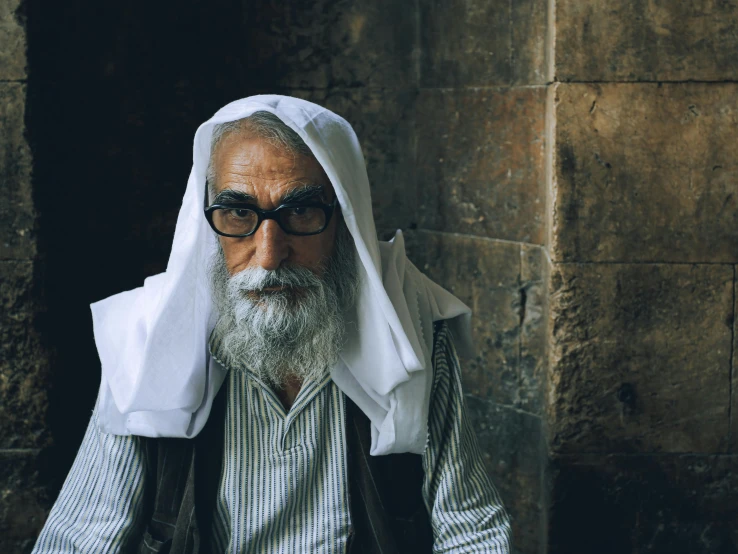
(289, 384)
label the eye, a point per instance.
(240, 214)
(300, 210)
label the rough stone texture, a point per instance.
(734, 370)
(16, 205)
(23, 500)
(330, 43)
(515, 453)
(534, 275)
(644, 504)
(480, 162)
(646, 172)
(508, 367)
(383, 121)
(640, 357)
(646, 40)
(531, 44)
(640, 352)
(12, 41)
(476, 43)
(23, 367)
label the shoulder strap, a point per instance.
(385, 495)
(388, 513)
(209, 462)
(171, 473)
(184, 474)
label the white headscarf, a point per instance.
(157, 376)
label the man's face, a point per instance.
(255, 171)
(280, 297)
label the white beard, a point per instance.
(296, 332)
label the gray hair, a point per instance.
(296, 332)
(260, 124)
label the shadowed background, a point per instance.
(567, 167)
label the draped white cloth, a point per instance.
(157, 376)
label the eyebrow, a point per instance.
(304, 193)
(229, 196)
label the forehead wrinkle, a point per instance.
(238, 163)
(249, 176)
(264, 170)
(249, 156)
(298, 184)
(255, 170)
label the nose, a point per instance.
(271, 245)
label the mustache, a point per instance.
(257, 278)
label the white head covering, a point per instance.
(157, 376)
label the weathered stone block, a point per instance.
(16, 204)
(734, 371)
(480, 162)
(640, 357)
(513, 448)
(644, 504)
(326, 44)
(486, 275)
(383, 121)
(23, 368)
(482, 43)
(12, 42)
(646, 173)
(24, 503)
(531, 41)
(465, 43)
(646, 40)
(534, 274)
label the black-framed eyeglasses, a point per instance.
(240, 219)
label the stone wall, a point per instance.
(481, 180)
(449, 102)
(581, 199)
(24, 363)
(644, 244)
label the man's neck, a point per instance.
(289, 391)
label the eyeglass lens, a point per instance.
(242, 221)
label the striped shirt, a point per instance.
(283, 480)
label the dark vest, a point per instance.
(388, 515)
